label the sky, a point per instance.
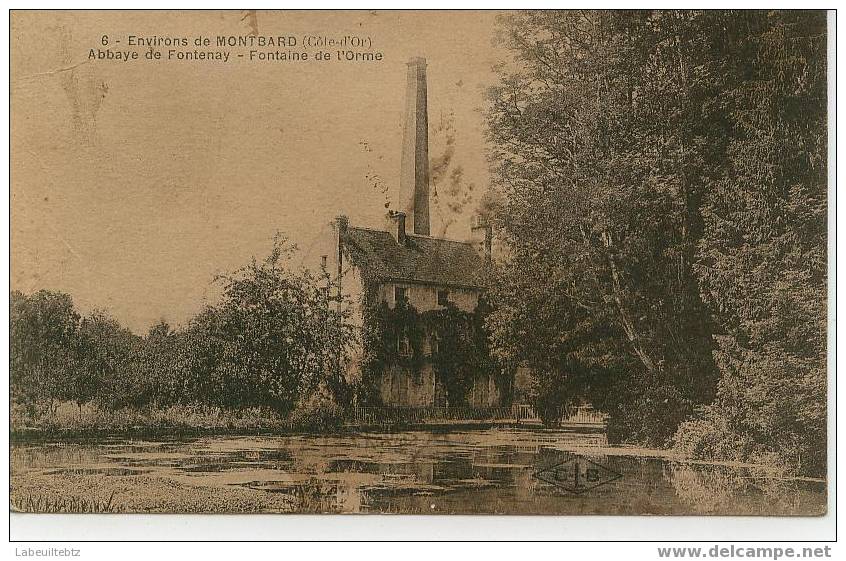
(135, 183)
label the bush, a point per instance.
(318, 411)
(644, 412)
(770, 409)
(548, 393)
(711, 438)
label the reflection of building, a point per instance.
(404, 267)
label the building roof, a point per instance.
(421, 259)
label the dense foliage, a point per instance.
(276, 339)
(663, 183)
(660, 190)
(762, 258)
(454, 341)
(56, 355)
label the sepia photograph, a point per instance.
(420, 262)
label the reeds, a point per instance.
(92, 419)
(43, 504)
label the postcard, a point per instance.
(419, 262)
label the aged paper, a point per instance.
(418, 262)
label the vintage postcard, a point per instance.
(419, 262)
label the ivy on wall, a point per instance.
(458, 347)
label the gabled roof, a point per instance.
(421, 259)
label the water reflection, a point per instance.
(718, 489)
(488, 471)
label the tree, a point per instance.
(601, 148)
(161, 366)
(44, 337)
(107, 363)
(277, 334)
(762, 257)
(664, 176)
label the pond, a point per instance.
(506, 471)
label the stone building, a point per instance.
(404, 266)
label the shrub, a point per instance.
(770, 408)
(318, 411)
(645, 412)
(710, 437)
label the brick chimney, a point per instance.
(481, 236)
(397, 226)
(414, 169)
(341, 224)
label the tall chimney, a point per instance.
(414, 170)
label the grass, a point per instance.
(69, 420)
(140, 494)
(41, 504)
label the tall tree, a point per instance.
(44, 334)
(278, 333)
(762, 263)
(603, 146)
(665, 181)
(107, 363)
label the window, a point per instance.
(433, 345)
(443, 297)
(403, 346)
(399, 294)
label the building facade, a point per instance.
(418, 299)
